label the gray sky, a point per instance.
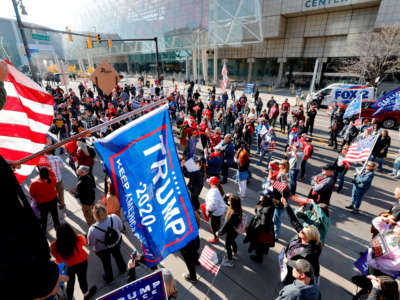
(53, 13)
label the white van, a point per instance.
(342, 93)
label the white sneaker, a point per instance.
(228, 263)
(235, 256)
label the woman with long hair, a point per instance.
(282, 176)
(232, 221)
(68, 249)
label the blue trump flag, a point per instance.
(353, 108)
(143, 164)
(389, 102)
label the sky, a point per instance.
(56, 14)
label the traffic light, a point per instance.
(109, 44)
(89, 42)
(69, 35)
(98, 38)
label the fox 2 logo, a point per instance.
(350, 94)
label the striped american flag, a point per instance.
(361, 149)
(24, 120)
(209, 259)
(271, 146)
(280, 186)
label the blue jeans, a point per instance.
(277, 221)
(380, 161)
(396, 167)
(269, 155)
(356, 196)
(227, 128)
(293, 173)
(340, 178)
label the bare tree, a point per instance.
(378, 55)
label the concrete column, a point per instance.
(194, 61)
(187, 66)
(128, 66)
(204, 61)
(251, 63)
(319, 71)
(215, 65)
(281, 62)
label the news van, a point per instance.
(342, 93)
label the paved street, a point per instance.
(348, 235)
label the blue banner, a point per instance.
(353, 108)
(142, 162)
(249, 89)
(362, 263)
(388, 99)
(148, 287)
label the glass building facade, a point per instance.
(277, 42)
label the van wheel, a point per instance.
(389, 123)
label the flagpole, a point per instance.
(87, 131)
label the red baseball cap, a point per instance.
(213, 180)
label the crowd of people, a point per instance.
(230, 132)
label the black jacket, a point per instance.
(85, 190)
(196, 180)
(261, 222)
(230, 225)
(383, 143)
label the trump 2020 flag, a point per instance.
(353, 108)
(389, 102)
(143, 164)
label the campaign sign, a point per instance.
(150, 287)
(362, 263)
(249, 89)
(142, 162)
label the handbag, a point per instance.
(266, 238)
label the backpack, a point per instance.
(111, 237)
(241, 229)
(92, 152)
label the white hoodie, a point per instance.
(214, 202)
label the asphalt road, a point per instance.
(348, 235)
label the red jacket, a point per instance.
(84, 159)
(308, 151)
(42, 191)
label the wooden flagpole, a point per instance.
(88, 131)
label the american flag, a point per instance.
(24, 120)
(360, 149)
(271, 146)
(209, 259)
(280, 186)
(225, 79)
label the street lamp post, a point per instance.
(24, 41)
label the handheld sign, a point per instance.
(142, 162)
(148, 287)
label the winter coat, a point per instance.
(196, 180)
(322, 187)
(85, 189)
(382, 144)
(230, 225)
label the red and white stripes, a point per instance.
(24, 120)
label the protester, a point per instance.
(233, 219)
(43, 191)
(68, 249)
(295, 156)
(196, 182)
(111, 200)
(308, 150)
(243, 160)
(215, 207)
(85, 192)
(381, 148)
(303, 287)
(103, 247)
(305, 245)
(311, 114)
(56, 165)
(322, 185)
(285, 109)
(260, 232)
(361, 183)
(228, 156)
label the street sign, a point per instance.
(40, 37)
(105, 77)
